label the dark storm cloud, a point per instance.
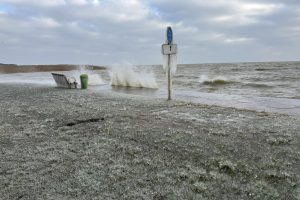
(108, 32)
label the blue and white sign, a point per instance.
(169, 35)
(169, 48)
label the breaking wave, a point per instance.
(128, 76)
(219, 80)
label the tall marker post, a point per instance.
(169, 50)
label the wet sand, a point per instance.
(87, 144)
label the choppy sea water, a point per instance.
(272, 86)
(281, 80)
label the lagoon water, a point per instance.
(270, 86)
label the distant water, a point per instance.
(281, 80)
(272, 86)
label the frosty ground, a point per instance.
(87, 144)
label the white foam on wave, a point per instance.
(129, 76)
(204, 79)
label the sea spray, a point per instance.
(129, 76)
(173, 63)
(94, 78)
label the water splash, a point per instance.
(129, 76)
(173, 63)
(94, 78)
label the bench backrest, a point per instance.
(61, 80)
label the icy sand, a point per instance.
(75, 144)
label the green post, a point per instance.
(84, 81)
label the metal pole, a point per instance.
(169, 78)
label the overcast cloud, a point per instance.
(107, 32)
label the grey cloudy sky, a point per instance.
(108, 32)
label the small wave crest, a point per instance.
(128, 76)
(258, 85)
(219, 80)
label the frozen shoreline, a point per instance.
(77, 144)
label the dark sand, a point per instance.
(75, 144)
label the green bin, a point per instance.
(84, 81)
